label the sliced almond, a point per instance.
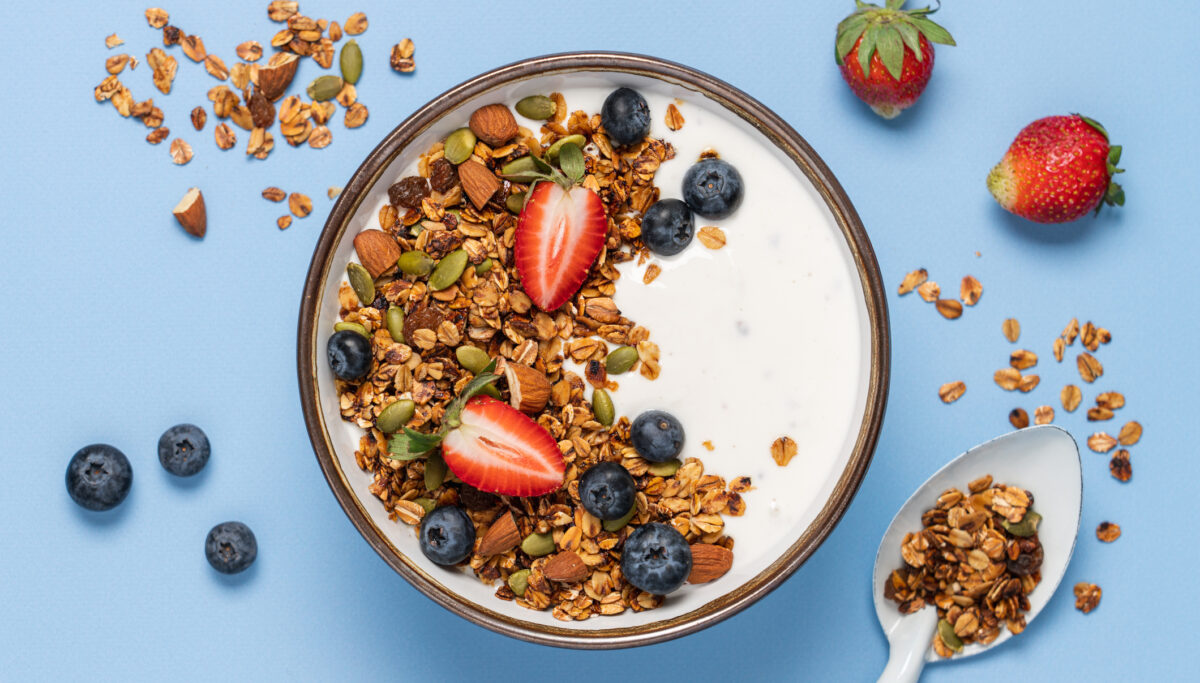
(913, 280)
(1071, 396)
(929, 291)
(970, 290)
(1008, 379)
(1130, 434)
(1011, 329)
(949, 308)
(951, 391)
(501, 537)
(1089, 367)
(191, 214)
(1022, 359)
(1101, 442)
(377, 250)
(709, 562)
(565, 567)
(1043, 415)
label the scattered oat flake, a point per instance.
(115, 64)
(1022, 359)
(283, 222)
(952, 391)
(783, 450)
(282, 10)
(250, 51)
(1099, 414)
(1018, 418)
(199, 117)
(215, 67)
(320, 137)
(1008, 379)
(949, 308)
(1089, 367)
(1011, 329)
(224, 136)
(1108, 532)
(1101, 442)
(1043, 415)
(181, 151)
(299, 204)
(1070, 396)
(274, 194)
(1120, 467)
(652, 271)
(1130, 434)
(929, 291)
(1071, 331)
(970, 290)
(674, 118)
(112, 41)
(157, 17)
(333, 192)
(1113, 400)
(158, 135)
(356, 115)
(1059, 347)
(913, 280)
(1028, 383)
(1087, 597)
(708, 445)
(355, 24)
(711, 237)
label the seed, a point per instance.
(395, 323)
(536, 107)
(483, 267)
(952, 391)
(472, 358)
(1019, 418)
(615, 525)
(1043, 415)
(1071, 396)
(536, 545)
(913, 280)
(602, 407)
(435, 471)
(353, 327)
(1026, 527)
(1130, 434)
(415, 263)
(1012, 330)
(324, 88)
(427, 504)
(664, 469)
(552, 152)
(515, 202)
(946, 633)
(491, 390)
(448, 270)
(949, 308)
(620, 360)
(970, 290)
(459, 145)
(518, 581)
(351, 62)
(361, 282)
(397, 414)
(521, 170)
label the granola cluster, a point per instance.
(486, 308)
(977, 559)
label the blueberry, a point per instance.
(667, 227)
(230, 547)
(607, 491)
(183, 450)
(625, 116)
(349, 355)
(656, 558)
(712, 188)
(99, 477)
(447, 535)
(657, 435)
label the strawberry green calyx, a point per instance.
(887, 30)
(411, 444)
(1115, 194)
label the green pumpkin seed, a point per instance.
(521, 170)
(351, 62)
(602, 407)
(536, 107)
(552, 153)
(435, 471)
(361, 282)
(664, 469)
(472, 358)
(1026, 527)
(459, 146)
(395, 323)
(397, 414)
(515, 202)
(615, 525)
(946, 633)
(415, 263)
(428, 504)
(324, 88)
(353, 327)
(483, 267)
(620, 360)
(536, 545)
(518, 581)
(491, 390)
(448, 270)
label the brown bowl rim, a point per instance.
(799, 151)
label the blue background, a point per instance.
(118, 325)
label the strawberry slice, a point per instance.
(497, 449)
(559, 234)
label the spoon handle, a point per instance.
(909, 640)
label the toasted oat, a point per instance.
(274, 194)
(355, 24)
(113, 40)
(215, 67)
(282, 10)
(1022, 359)
(1120, 467)
(1070, 396)
(1098, 414)
(674, 118)
(929, 291)
(181, 151)
(250, 51)
(158, 135)
(335, 31)
(913, 280)
(970, 290)
(299, 204)
(1101, 442)
(333, 191)
(1011, 329)
(951, 391)
(115, 64)
(284, 222)
(1071, 331)
(652, 271)
(1018, 418)
(401, 57)
(783, 450)
(157, 17)
(711, 237)
(1113, 400)
(949, 308)
(1059, 348)
(224, 136)
(320, 137)
(1130, 433)
(356, 115)
(193, 47)
(199, 117)
(1089, 367)
(1043, 415)
(1108, 532)
(1008, 379)
(1028, 383)
(1087, 596)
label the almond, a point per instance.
(494, 124)
(478, 182)
(528, 388)
(274, 79)
(377, 251)
(191, 214)
(501, 537)
(709, 562)
(565, 567)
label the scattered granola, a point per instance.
(929, 291)
(1011, 329)
(299, 204)
(1120, 467)
(1101, 442)
(674, 119)
(401, 58)
(355, 24)
(181, 151)
(284, 222)
(1087, 596)
(949, 308)
(1130, 434)
(1071, 397)
(711, 237)
(1108, 532)
(783, 450)
(274, 194)
(112, 41)
(1043, 415)
(951, 391)
(970, 290)
(157, 17)
(913, 280)
(1019, 418)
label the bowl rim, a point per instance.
(800, 153)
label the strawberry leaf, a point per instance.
(482, 381)
(912, 38)
(895, 4)
(849, 32)
(1094, 124)
(1114, 155)
(891, 51)
(932, 32)
(866, 49)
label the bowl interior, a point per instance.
(790, 274)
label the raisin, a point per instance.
(409, 192)
(474, 499)
(262, 112)
(442, 175)
(1027, 562)
(427, 318)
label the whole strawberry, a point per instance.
(885, 55)
(1058, 169)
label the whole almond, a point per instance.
(565, 567)
(478, 182)
(494, 124)
(528, 388)
(377, 250)
(709, 562)
(501, 536)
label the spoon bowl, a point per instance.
(1043, 460)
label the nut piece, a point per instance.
(1012, 329)
(274, 79)
(1087, 596)
(529, 389)
(274, 194)
(970, 290)
(494, 124)
(565, 567)
(783, 450)
(478, 181)
(501, 537)
(952, 391)
(191, 214)
(1108, 532)
(913, 280)
(949, 308)
(1071, 396)
(377, 250)
(300, 205)
(709, 562)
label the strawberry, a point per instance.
(488, 444)
(885, 55)
(1058, 169)
(560, 232)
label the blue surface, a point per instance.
(118, 325)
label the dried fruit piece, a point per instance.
(1101, 442)
(1089, 367)
(913, 280)
(1108, 532)
(181, 151)
(1008, 379)
(1130, 434)
(711, 237)
(709, 562)
(970, 290)
(191, 213)
(1011, 329)
(1071, 396)
(949, 308)
(783, 450)
(1087, 596)
(1120, 467)
(1019, 418)
(300, 205)
(1043, 415)
(355, 24)
(929, 291)
(1022, 359)
(674, 118)
(951, 391)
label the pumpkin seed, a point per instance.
(395, 323)
(664, 469)
(397, 414)
(518, 581)
(324, 88)
(615, 525)
(620, 360)
(459, 146)
(472, 358)
(483, 267)
(448, 270)
(427, 503)
(552, 153)
(515, 202)
(521, 170)
(946, 633)
(491, 390)
(602, 407)
(353, 327)
(435, 471)
(351, 62)
(1026, 527)
(536, 107)
(415, 263)
(361, 282)
(536, 545)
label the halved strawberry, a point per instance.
(498, 449)
(560, 232)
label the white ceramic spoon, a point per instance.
(1043, 460)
